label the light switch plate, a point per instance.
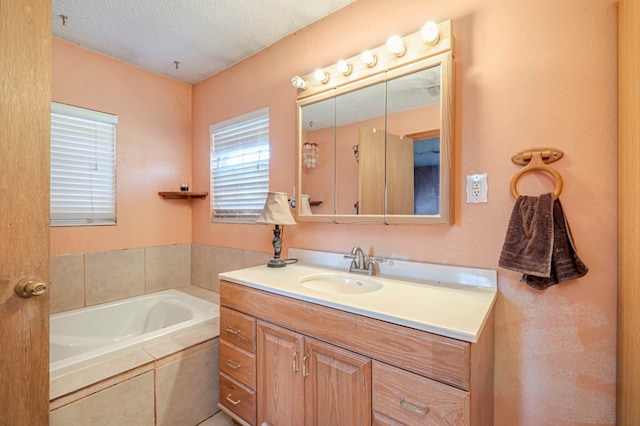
(477, 188)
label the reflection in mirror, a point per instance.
(359, 194)
(413, 143)
(317, 122)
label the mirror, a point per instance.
(383, 147)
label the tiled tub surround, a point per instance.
(79, 280)
(168, 382)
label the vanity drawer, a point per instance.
(238, 364)
(238, 398)
(401, 397)
(238, 329)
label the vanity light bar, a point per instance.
(432, 39)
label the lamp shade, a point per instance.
(276, 210)
(305, 206)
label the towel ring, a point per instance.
(537, 159)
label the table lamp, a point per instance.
(276, 212)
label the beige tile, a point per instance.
(67, 282)
(167, 267)
(128, 403)
(203, 266)
(187, 390)
(68, 387)
(219, 419)
(114, 275)
(255, 258)
(227, 259)
(181, 341)
(199, 292)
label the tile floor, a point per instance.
(219, 419)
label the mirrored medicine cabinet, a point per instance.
(375, 146)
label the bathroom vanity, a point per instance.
(362, 350)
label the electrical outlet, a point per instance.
(477, 188)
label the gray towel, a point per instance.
(539, 244)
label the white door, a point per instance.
(25, 95)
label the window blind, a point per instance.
(240, 167)
(83, 166)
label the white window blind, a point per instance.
(83, 166)
(240, 167)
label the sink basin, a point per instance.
(340, 283)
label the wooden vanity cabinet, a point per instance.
(322, 366)
(303, 381)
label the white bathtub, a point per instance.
(88, 335)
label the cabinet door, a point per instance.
(280, 380)
(337, 386)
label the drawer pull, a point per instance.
(295, 362)
(413, 408)
(232, 331)
(232, 401)
(230, 364)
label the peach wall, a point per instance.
(529, 73)
(153, 148)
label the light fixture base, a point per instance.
(276, 263)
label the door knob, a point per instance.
(30, 287)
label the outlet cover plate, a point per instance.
(477, 188)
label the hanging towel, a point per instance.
(539, 244)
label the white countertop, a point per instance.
(450, 309)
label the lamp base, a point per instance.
(276, 263)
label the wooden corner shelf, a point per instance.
(188, 195)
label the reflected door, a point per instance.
(399, 175)
(371, 172)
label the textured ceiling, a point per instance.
(204, 36)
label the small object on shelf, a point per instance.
(184, 186)
(182, 194)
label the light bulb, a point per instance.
(396, 46)
(299, 82)
(430, 33)
(321, 76)
(344, 68)
(369, 58)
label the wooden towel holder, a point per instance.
(537, 159)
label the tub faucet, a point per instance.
(359, 262)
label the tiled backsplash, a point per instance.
(79, 280)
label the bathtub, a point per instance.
(89, 335)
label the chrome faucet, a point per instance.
(359, 262)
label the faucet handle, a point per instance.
(353, 258)
(372, 264)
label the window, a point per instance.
(240, 167)
(83, 166)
